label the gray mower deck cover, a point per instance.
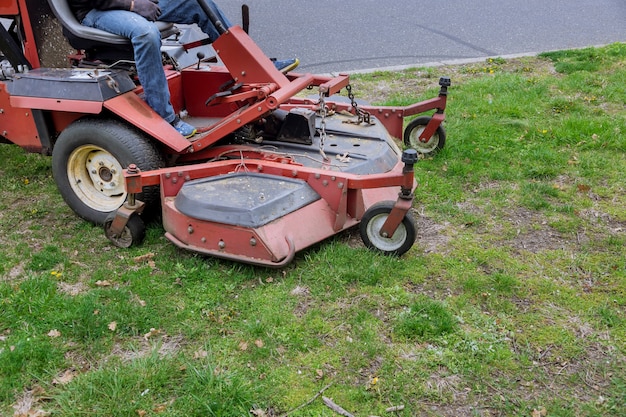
(243, 199)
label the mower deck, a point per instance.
(261, 204)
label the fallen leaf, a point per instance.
(159, 408)
(269, 279)
(395, 408)
(104, 283)
(25, 404)
(143, 258)
(319, 374)
(583, 188)
(243, 346)
(141, 413)
(65, 378)
(200, 354)
(259, 343)
(153, 332)
(54, 333)
(112, 326)
(300, 291)
(542, 412)
(32, 413)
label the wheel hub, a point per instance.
(425, 145)
(105, 173)
(96, 177)
(383, 242)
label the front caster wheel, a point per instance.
(133, 233)
(372, 223)
(412, 136)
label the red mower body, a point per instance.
(268, 174)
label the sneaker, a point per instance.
(183, 128)
(286, 65)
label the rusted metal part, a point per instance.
(132, 176)
(291, 253)
(344, 198)
(405, 197)
(431, 127)
(137, 112)
(392, 117)
(245, 93)
(123, 214)
(245, 61)
(395, 217)
(332, 85)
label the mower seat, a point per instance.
(88, 38)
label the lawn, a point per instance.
(511, 303)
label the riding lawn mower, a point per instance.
(271, 171)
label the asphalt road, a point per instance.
(355, 35)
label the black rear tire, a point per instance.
(88, 160)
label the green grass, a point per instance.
(512, 301)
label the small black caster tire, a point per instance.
(372, 222)
(133, 234)
(412, 136)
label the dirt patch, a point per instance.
(16, 272)
(431, 236)
(303, 294)
(165, 346)
(72, 289)
(599, 218)
(538, 240)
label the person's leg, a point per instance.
(146, 41)
(190, 11)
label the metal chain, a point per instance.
(363, 116)
(322, 130)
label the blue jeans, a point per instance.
(146, 41)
